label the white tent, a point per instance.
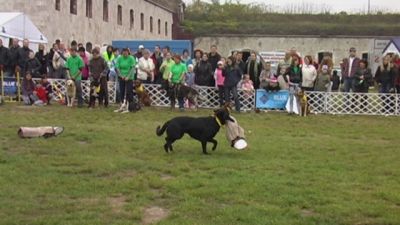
(18, 25)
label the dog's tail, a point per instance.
(160, 130)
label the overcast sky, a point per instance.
(336, 5)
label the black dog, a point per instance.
(203, 129)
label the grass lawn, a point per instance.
(109, 168)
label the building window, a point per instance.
(166, 28)
(119, 15)
(151, 24)
(58, 5)
(105, 10)
(73, 7)
(159, 26)
(141, 21)
(131, 19)
(89, 8)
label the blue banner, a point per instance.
(10, 86)
(271, 100)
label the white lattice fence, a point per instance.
(208, 95)
(353, 103)
(59, 86)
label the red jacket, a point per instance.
(41, 93)
(345, 67)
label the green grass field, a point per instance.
(109, 168)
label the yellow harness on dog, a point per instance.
(217, 120)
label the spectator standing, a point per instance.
(233, 75)
(362, 77)
(385, 75)
(253, 69)
(323, 80)
(3, 57)
(109, 57)
(204, 72)
(50, 67)
(165, 69)
(239, 61)
(349, 68)
(213, 58)
(186, 57)
(13, 58)
(157, 61)
(335, 81)
(219, 76)
(98, 69)
(32, 65)
(74, 66)
(285, 63)
(85, 58)
(146, 68)
(42, 56)
(309, 74)
(294, 78)
(189, 76)
(23, 56)
(198, 55)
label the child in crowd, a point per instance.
(189, 76)
(283, 85)
(247, 86)
(40, 92)
(268, 80)
(28, 90)
(219, 77)
(48, 89)
(335, 81)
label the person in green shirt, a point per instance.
(126, 74)
(165, 69)
(175, 78)
(74, 66)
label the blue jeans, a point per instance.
(348, 84)
(233, 90)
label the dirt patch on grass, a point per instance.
(117, 203)
(308, 213)
(154, 214)
(165, 177)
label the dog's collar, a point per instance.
(218, 121)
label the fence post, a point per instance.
(326, 102)
(396, 106)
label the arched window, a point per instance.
(119, 15)
(151, 24)
(105, 10)
(131, 19)
(73, 7)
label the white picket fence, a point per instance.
(336, 103)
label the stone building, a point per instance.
(369, 48)
(98, 21)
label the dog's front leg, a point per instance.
(204, 146)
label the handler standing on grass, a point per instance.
(74, 66)
(126, 71)
(178, 71)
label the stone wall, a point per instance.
(66, 26)
(339, 46)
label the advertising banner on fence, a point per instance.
(10, 86)
(271, 100)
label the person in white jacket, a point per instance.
(309, 74)
(146, 68)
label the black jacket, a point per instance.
(13, 58)
(43, 59)
(33, 66)
(203, 73)
(23, 56)
(3, 56)
(362, 85)
(254, 74)
(233, 75)
(213, 60)
(293, 76)
(385, 77)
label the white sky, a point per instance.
(336, 5)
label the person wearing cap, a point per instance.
(139, 53)
(219, 77)
(349, 68)
(176, 78)
(74, 66)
